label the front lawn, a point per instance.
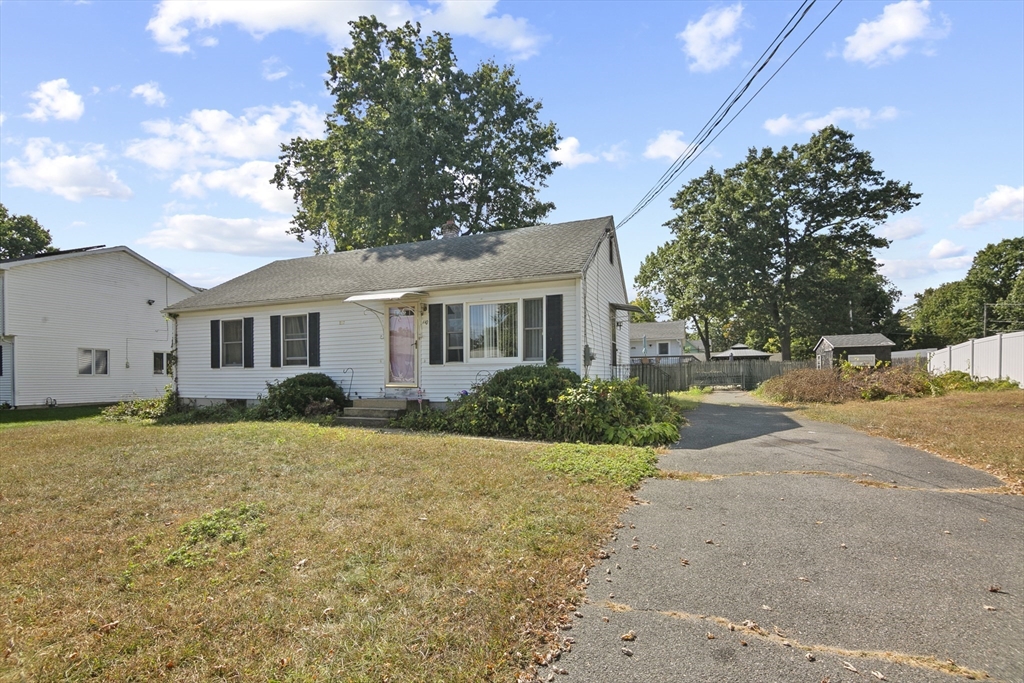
(287, 551)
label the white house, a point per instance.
(422, 320)
(665, 341)
(84, 326)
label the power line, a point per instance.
(695, 149)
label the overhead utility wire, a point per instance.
(697, 148)
(728, 102)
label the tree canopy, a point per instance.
(22, 236)
(414, 141)
(955, 312)
(781, 241)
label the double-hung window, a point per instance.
(159, 363)
(533, 329)
(494, 330)
(454, 349)
(662, 348)
(231, 343)
(93, 361)
(296, 338)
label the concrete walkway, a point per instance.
(824, 541)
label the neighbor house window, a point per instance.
(662, 348)
(231, 343)
(533, 329)
(159, 363)
(493, 330)
(92, 361)
(295, 339)
(454, 344)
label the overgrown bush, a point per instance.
(144, 408)
(847, 383)
(291, 397)
(552, 404)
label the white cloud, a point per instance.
(902, 229)
(151, 93)
(243, 236)
(208, 41)
(945, 249)
(206, 136)
(249, 181)
(1004, 204)
(54, 99)
(3, 117)
(49, 167)
(912, 268)
(569, 154)
(173, 21)
(614, 153)
(888, 37)
(707, 42)
(668, 145)
(860, 117)
(273, 70)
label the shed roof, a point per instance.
(844, 341)
(740, 351)
(493, 257)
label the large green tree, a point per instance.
(22, 236)
(781, 233)
(414, 141)
(955, 312)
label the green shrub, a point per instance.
(144, 408)
(956, 380)
(291, 397)
(552, 404)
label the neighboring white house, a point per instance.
(84, 326)
(422, 320)
(657, 340)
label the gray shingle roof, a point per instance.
(842, 341)
(537, 251)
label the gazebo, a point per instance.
(741, 352)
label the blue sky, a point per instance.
(156, 125)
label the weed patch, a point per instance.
(223, 527)
(622, 465)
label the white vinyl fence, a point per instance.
(1000, 356)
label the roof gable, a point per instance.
(675, 329)
(494, 257)
(43, 259)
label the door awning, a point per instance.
(384, 296)
(627, 307)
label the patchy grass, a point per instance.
(317, 553)
(625, 466)
(28, 416)
(980, 429)
(689, 399)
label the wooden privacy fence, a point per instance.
(1000, 356)
(663, 378)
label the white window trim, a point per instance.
(223, 355)
(92, 353)
(284, 342)
(518, 358)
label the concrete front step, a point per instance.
(389, 403)
(370, 422)
(389, 413)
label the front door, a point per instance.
(402, 346)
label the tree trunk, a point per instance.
(704, 334)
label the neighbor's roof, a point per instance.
(741, 351)
(49, 257)
(842, 341)
(675, 329)
(537, 251)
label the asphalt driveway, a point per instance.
(810, 539)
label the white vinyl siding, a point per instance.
(603, 285)
(353, 350)
(86, 301)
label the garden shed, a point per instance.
(860, 349)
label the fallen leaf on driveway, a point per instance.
(879, 676)
(849, 667)
(631, 635)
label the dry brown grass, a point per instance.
(384, 557)
(980, 429)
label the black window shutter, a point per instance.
(247, 343)
(553, 325)
(275, 341)
(314, 340)
(1, 361)
(214, 343)
(436, 334)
